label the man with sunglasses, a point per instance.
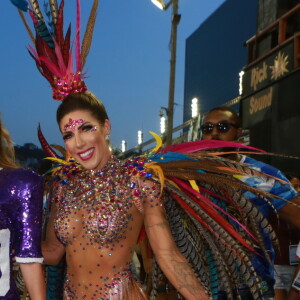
(223, 123)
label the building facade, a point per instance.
(270, 103)
(216, 53)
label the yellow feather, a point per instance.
(158, 141)
(194, 185)
(57, 160)
(157, 170)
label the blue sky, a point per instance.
(127, 68)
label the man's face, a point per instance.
(220, 125)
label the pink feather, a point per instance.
(190, 147)
(60, 59)
(52, 67)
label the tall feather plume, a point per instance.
(36, 9)
(42, 29)
(88, 36)
(59, 24)
(53, 9)
(77, 38)
(53, 54)
(26, 26)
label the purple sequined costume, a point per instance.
(21, 200)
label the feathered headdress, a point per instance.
(53, 52)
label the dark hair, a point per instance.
(82, 101)
(235, 116)
(7, 152)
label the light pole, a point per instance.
(140, 137)
(195, 107)
(123, 146)
(175, 21)
(162, 113)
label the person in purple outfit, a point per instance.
(21, 199)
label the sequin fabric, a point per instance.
(21, 200)
(99, 217)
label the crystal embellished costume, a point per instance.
(98, 222)
(21, 200)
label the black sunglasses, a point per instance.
(222, 127)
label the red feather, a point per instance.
(47, 149)
(59, 35)
(195, 215)
(77, 40)
(66, 46)
(190, 147)
(212, 212)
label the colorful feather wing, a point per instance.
(214, 225)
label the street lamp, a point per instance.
(123, 146)
(163, 120)
(161, 4)
(175, 21)
(140, 137)
(162, 124)
(195, 107)
(241, 75)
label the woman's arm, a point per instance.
(172, 262)
(34, 280)
(53, 250)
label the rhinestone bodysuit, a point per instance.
(98, 222)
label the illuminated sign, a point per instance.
(257, 107)
(269, 70)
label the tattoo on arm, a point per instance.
(162, 224)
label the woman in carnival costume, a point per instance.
(100, 205)
(21, 200)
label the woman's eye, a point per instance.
(67, 137)
(87, 127)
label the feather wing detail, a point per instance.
(213, 222)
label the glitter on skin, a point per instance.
(98, 214)
(73, 124)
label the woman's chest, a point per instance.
(99, 212)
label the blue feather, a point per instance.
(20, 4)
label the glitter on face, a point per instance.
(73, 124)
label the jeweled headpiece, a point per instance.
(53, 52)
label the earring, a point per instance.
(107, 137)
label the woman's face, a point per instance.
(84, 138)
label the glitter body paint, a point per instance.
(98, 220)
(21, 201)
(73, 124)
